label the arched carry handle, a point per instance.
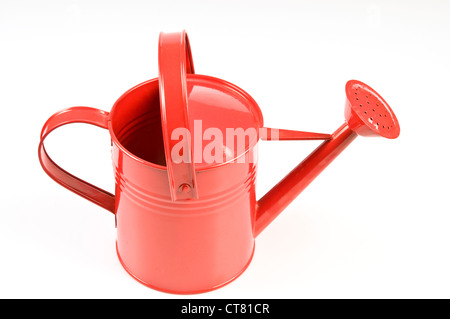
(175, 61)
(78, 186)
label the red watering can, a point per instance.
(184, 151)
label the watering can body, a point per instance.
(185, 246)
(190, 226)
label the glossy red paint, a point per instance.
(181, 246)
(191, 228)
(175, 62)
(366, 114)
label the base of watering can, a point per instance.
(185, 292)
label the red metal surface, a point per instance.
(75, 115)
(362, 106)
(178, 246)
(282, 194)
(275, 134)
(202, 242)
(175, 61)
(367, 113)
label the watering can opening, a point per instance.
(222, 118)
(136, 123)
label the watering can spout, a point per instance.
(366, 114)
(282, 194)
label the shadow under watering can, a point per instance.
(185, 205)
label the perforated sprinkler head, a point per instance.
(367, 113)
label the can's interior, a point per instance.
(136, 123)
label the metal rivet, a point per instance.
(185, 188)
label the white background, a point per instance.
(375, 224)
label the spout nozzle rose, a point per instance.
(367, 113)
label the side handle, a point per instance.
(78, 186)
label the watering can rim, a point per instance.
(255, 109)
